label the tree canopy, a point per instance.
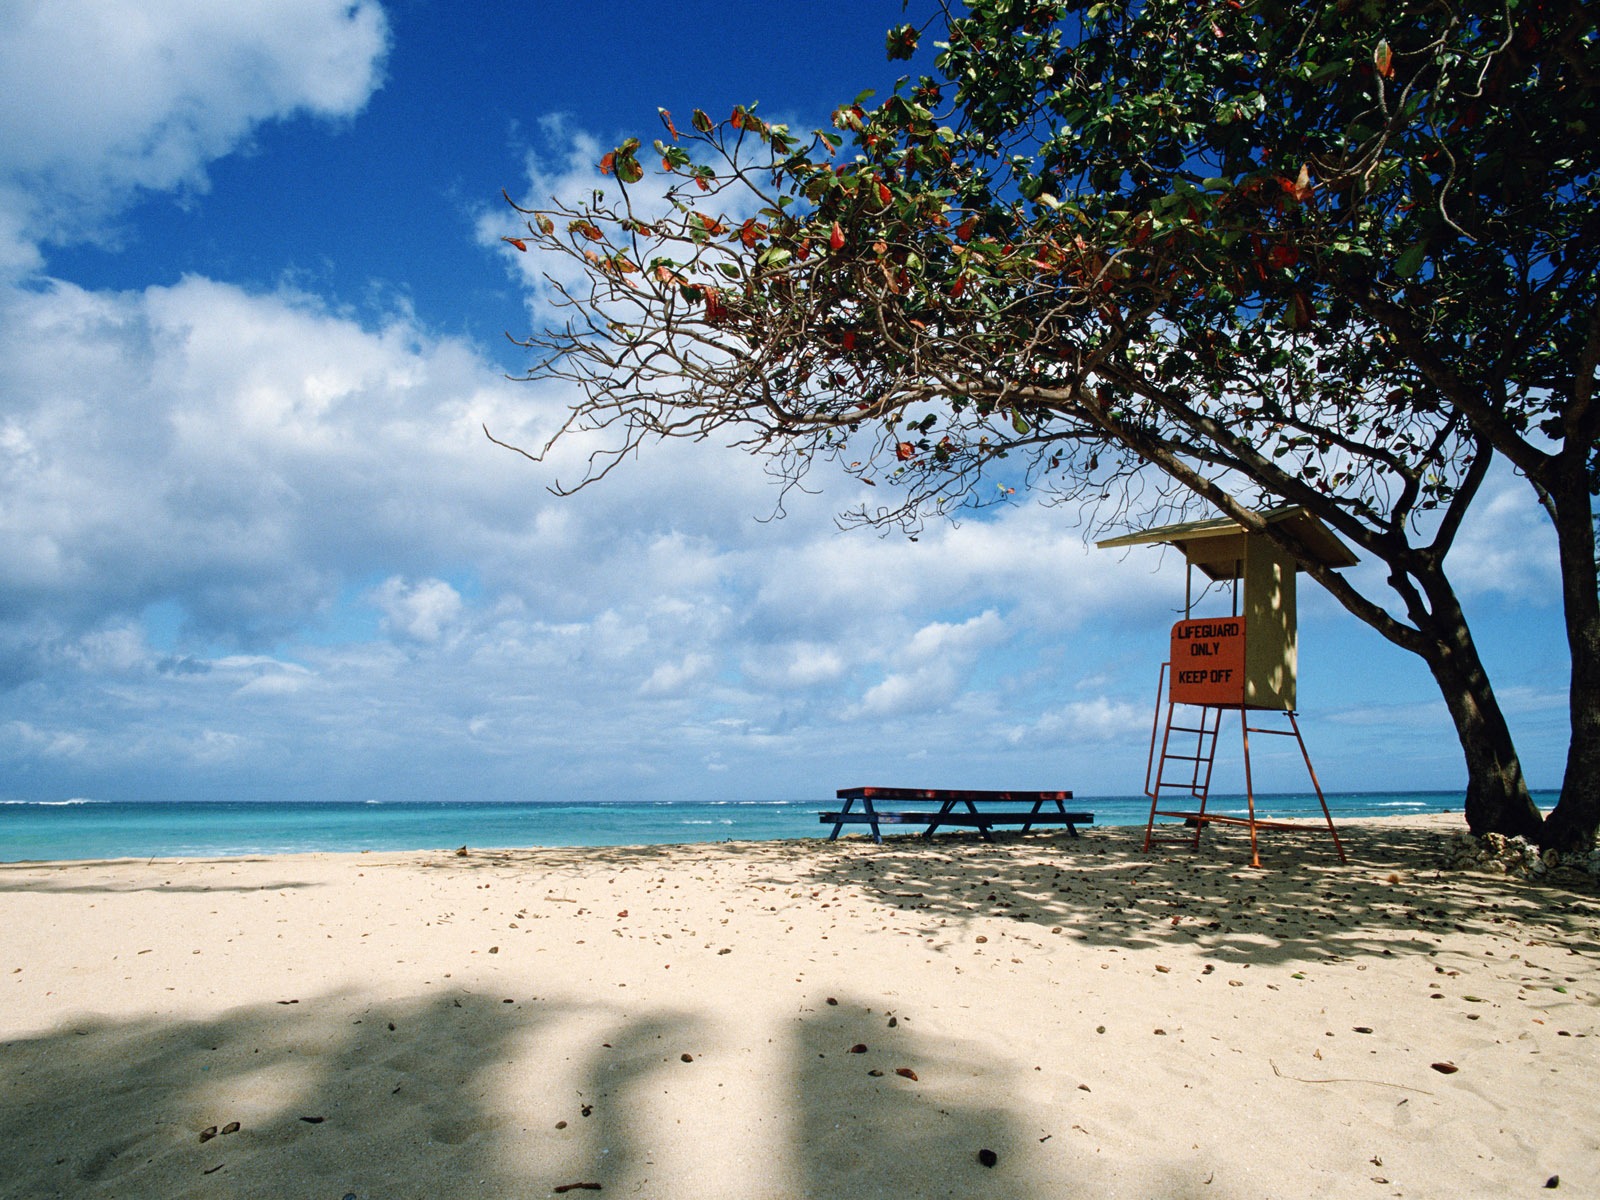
(1148, 255)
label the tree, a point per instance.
(1338, 255)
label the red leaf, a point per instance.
(712, 225)
(608, 163)
(1300, 188)
(906, 1073)
(836, 238)
(903, 451)
(666, 119)
(849, 339)
(1283, 256)
(959, 286)
(517, 242)
(1383, 59)
(884, 193)
(1299, 311)
(715, 309)
(966, 228)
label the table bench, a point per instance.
(970, 816)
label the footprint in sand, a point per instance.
(106, 1162)
(459, 1132)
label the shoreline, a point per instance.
(47, 832)
(679, 1020)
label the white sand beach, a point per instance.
(803, 1019)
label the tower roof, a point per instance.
(1216, 546)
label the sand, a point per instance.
(802, 1019)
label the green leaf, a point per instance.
(901, 42)
(1410, 262)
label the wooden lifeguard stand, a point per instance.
(1244, 662)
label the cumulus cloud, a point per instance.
(421, 610)
(122, 98)
(1098, 720)
(931, 666)
(248, 465)
(1507, 544)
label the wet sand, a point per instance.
(803, 1019)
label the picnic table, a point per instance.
(977, 810)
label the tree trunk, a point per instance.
(1497, 798)
(1572, 824)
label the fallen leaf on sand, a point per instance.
(906, 1073)
(208, 1133)
(1445, 1068)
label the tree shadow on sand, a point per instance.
(463, 1095)
(1104, 890)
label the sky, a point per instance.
(254, 544)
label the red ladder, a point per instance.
(1183, 770)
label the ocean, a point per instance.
(90, 829)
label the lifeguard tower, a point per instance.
(1243, 662)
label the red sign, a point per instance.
(1208, 661)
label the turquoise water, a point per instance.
(79, 829)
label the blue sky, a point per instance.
(253, 543)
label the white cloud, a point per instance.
(794, 666)
(121, 98)
(1506, 545)
(672, 678)
(932, 666)
(1098, 720)
(419, 610)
